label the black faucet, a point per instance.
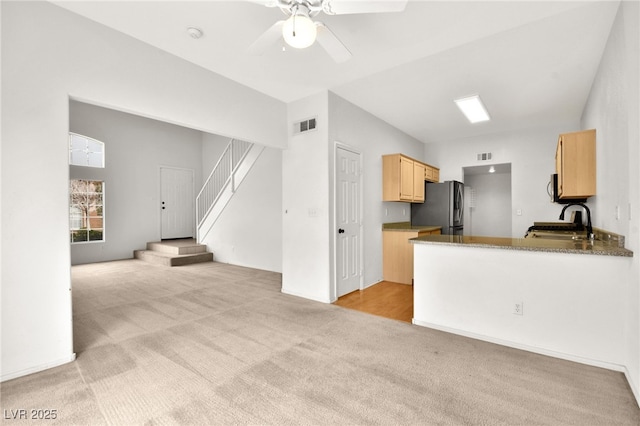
(584, 206)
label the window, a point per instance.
(86, 210)
(85, 151)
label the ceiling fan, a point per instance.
(300, 31)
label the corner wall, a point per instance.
(613, 109)
(50, 55)
(249, 230)
(305, 203)
(373, 138)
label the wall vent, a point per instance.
(305, 125)
(484, 156)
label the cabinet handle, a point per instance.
(340, 231)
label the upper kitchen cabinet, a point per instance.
(432, 174)
(402, 178)
(576, 164)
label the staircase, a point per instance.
(233, 166)
(174, 252)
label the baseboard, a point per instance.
(528, 348)
(371, 284)
(632, 385)
(305, 296)
(38, 368)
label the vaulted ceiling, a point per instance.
(532, 62)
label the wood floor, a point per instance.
(385, 299)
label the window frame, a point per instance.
(87, 151)
(89, 205)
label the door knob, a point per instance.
(340, 231)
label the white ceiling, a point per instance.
(532, 63)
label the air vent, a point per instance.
(484, 156)
(305, 125)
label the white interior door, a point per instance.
(176, 203)
(348, 221)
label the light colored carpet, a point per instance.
(219, 344)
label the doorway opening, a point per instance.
(487, 196)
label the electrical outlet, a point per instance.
(517, 308)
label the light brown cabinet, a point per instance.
(403, 178)
(397, 254)
(576, 164)
(418, 181)
(431, 174)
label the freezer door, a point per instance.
(457, 210)
(456, 230)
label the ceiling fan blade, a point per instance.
(343, 7)
(268, 3)
(332, 44)
(268, 38)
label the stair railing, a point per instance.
(220, 177)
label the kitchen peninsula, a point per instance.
(563, 298)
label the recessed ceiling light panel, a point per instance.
(473, 109)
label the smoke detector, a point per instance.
(195, 32)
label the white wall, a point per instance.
(372, 137)
(249, 230)
(613, 109)
(532, 157)
(135, 149)
(308, 253)
(305, 187)
(571, 302)
(491, 215)
(49, 55)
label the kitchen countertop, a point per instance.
(598, 247)
(406, 227)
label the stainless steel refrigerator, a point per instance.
(443, 206)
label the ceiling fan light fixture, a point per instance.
(299, 30)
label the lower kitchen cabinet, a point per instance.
(397, 253)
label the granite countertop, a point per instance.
(406, 227)
(598, 247)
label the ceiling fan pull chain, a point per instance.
(293, 27)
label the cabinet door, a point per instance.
(428, 173)
(436, 175)
(406, 179)
(576, 164)
(397, 256)
(418, 181)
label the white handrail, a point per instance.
(220, 177)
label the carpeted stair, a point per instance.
(174, 252)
